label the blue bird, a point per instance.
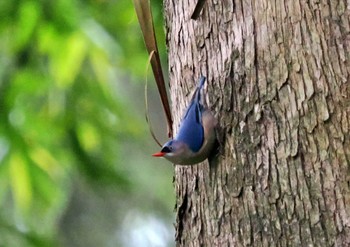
(196, 137)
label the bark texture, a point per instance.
(278, 79)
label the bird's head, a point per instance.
(173, 151)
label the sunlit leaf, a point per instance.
(29, 13)
(20, 182)
(67, 60)
(88, 136)
(46, 161)
(49, 195)
(47, 38)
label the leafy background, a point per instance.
(75, 164)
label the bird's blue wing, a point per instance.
(191, 129)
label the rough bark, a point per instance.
(278, 79)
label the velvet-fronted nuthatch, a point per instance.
(196, 136)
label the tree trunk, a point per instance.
(278, 76)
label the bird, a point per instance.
(196, 136)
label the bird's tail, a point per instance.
(201, 82)
(197, 95)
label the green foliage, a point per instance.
(62, 114)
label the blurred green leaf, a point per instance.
(20, 182)
(88, 137)
(28, 16)
(67, 59)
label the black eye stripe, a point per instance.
(166, 149)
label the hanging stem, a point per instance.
(144, 15)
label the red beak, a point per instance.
(159, 154)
